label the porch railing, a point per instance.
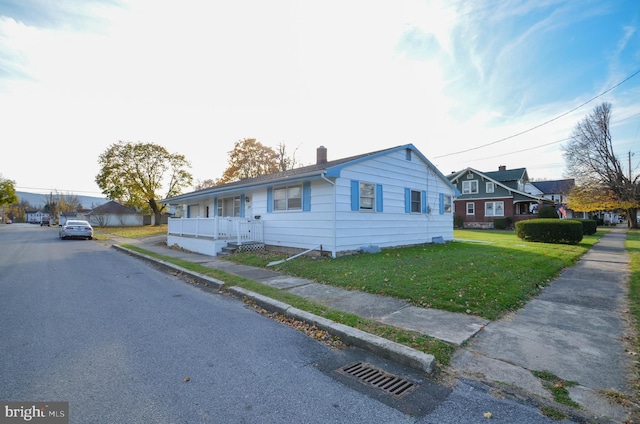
(240, 230)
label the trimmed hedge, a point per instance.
(458, 222)
(550, 230)
(502, 223)
(548, 212)
(589, 226)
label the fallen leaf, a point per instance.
(488, 415)
(186, 379)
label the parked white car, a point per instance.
(75, 228)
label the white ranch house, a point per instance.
(392, 197)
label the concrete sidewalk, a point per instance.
(575, 328)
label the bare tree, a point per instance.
(592, 162)
(286, 162)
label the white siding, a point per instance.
(300, 229)
(337, 228)
(354, 229)
(393, 226)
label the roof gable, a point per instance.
(489, 176)
(113, 207)
(508, 175)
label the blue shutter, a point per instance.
(441, 204)
(407, 200)
(306, 196)
(242, 202)
(188, 211)
(269, 200)
(423, 197)
(379, 197)
(355, 195)
(215, 206)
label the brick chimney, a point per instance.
(321, 155)
(502, 168)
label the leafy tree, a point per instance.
(249, 159)
(7, 192)
(591, 160)
(592, 198)
(134, 173)
(18, 211)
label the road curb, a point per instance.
(202, 279)
(378, 345)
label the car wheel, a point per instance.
(89, 238)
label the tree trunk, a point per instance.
(157, 212)
(633, 217)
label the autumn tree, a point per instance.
(135, 173)
(7, 192)
(249, 159)
(591, 160)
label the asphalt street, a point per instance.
(124, 342)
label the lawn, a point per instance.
(633, 247)
(483, 273)
(132, 232)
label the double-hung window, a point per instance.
(490, 187)
(229, 206)
(446, 204)
(470, 187)
(494, 209)
(367, 196)
(416, 201)
(471, 208)
(287, 198)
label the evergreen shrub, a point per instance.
(458, 222)
(502, 223)
(589, 226)
(550, 230)
(548, 212)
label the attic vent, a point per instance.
(469, 176)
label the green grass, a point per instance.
(487, 274)
(557, 387)
(633, 248)
(131, 232)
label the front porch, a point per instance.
(210, 236)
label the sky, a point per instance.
(470, 83)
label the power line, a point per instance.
(544, 123)
(525, 150)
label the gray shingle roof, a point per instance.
(112, 207)
(555, 186)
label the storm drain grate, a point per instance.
(379, 379)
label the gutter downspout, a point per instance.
(333, 250)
